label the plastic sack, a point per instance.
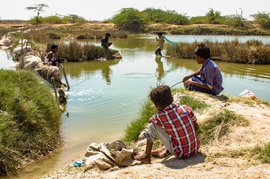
(248, 94)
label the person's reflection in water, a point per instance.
(106, 71)
(160, 69)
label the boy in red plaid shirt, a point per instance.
(174, 125)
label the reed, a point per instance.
(75, 52)
(217, 31)
(254, 52)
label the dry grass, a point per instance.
(253, 52)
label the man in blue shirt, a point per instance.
(105, 43)
(210, 80)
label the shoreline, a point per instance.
(214, 159)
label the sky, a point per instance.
(105, 9)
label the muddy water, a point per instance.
(106, 96)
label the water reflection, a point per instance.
(91, 68)
(160, 69)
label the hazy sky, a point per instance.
(104, 9)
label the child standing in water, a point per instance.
(160, 40)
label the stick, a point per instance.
(65, 75)
(176, 84)
(54, 88)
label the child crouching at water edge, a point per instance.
(174, 125)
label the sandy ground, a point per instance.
(107, 26)
(205, 164)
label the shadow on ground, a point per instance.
(176, 163)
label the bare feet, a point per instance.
(161, 152)
(143, 158)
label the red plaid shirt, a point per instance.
(178, 123)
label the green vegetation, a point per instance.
(215, 31)
(193, 103)
(136, 126)
(37, 8)
(75, 52)
(254, 52)
(263, 153)
(58, 19)
(29, 120)
(159, 16)
(130, 19)
(263, 19)
(218, 125)
(214, 17)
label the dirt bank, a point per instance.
(225, 157)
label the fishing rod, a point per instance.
(64, 72)
(176, 84)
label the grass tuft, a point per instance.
(219, 124)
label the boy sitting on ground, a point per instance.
(210, 80)
(174, 125)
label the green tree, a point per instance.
(263, 19)
(130, 19)
(213, 16)
(37, 8)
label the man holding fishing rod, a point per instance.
(210, 80)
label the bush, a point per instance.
(213, 17)
(160, 16)
(199, 20)
(130, 19)
(263, 19)
(236, 21)
(58, 19)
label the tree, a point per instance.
(213, 16)
(37, 8)
(263, 19)
(130, 19)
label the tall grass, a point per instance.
(136, 126)
(253, 51)
(75, 52)
(29, 120)
(217, 31)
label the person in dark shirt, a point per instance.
(105, 43)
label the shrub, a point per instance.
(236, 21)
(263, 19)
(58, 19)
(160, 16)
(213, 17)
(130, 19)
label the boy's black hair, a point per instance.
(160, 33)
(161, 96)
(108, 34)
(54, 47)
(202, 51)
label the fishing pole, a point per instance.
(177, 83)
